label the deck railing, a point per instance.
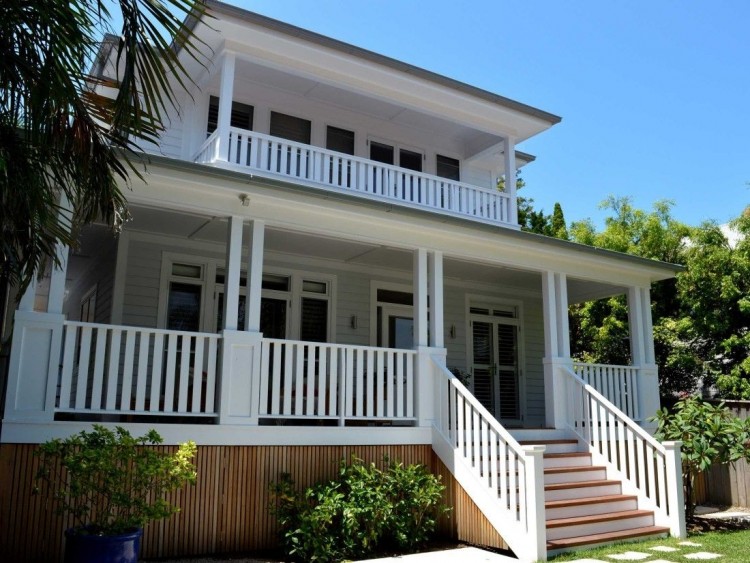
(647, 468)
(504, 478)
(619, 384)
(331, 170)
(137, 371)
(342, 382)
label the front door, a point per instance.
(495, 372)
(397, 327)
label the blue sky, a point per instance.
(654, 94)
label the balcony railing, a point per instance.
(329, 170)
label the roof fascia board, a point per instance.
(217, 9)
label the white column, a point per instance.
(29, 296)
(232, 274)
(226, 94)
(437, 330)
(254, 276)
(635, 322)
(58, 273)
(420, 297)
(510, 178)
(556, 348)
(648, 326)
(549, 306)
(563, 329)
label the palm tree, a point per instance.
(60, 138)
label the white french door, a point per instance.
(495, 366)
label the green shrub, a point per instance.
(709, 434)
(364, 510)
(111, 482)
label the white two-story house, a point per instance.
(320, 263)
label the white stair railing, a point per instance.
(646, 467)
(341, 172)
(504, 479)
(619, 384)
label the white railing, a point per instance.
(336, 381)
(646, 467)
(496, 467)
(619, 384)
(130, 370)
(341, 172)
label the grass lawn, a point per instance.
(732, 545)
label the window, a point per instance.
(410, 160)
(88, 306)
(448, 167)
(184, 296)
(290, 127)
(242, 115)
(385, 153)
(340, 140)
(380, 152)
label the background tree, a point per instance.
(58, 135)
(599, 329)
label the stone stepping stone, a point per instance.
(630, 556)
(664, 548)
(690, 544)
(702, 555)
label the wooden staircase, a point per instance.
(584, 508)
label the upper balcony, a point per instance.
(314, 111)
(277, 158)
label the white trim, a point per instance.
(231, 435)
(168, 258)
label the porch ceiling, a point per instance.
(251, 74)
(296, 243)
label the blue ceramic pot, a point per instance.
(90, 548)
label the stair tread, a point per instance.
(581, 484)
(567, 454)
(575, 469)
(545, 442)
(587, 500)
(606, 537)
(591, 519)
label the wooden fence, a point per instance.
(227, 510)
(727, 484)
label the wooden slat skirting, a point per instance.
(226, 511)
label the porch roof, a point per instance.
(657, 270)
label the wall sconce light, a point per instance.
(452, 331)
(245, 200)
(353, 322)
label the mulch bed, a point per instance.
(699, 524)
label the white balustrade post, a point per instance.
(426, 387)
(240, 358)
(535, 514)
(675, 494)
(226, 95)
(34, 367)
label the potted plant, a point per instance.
(112, 484)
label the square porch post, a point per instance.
(556, 347)
(224, 119)
(241, 349)
(642, 354)
(509, 158)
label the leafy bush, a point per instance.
(111, 482)
(365, 509)
(709, 434)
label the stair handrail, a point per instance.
(623, 446)
(459, 420)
